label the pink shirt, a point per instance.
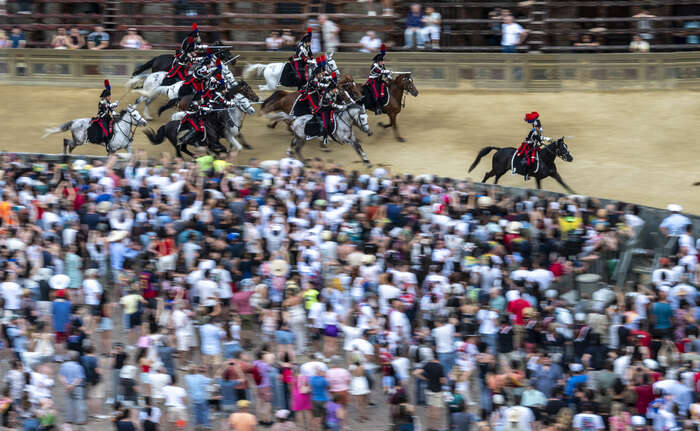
(338, 379)
(242, 302)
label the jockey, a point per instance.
(529, 147)
(303, 56)
(328, 104)
(178, 70)
(376, 81)
(215, 93)
(194, 119)
(189, 43)
(200, 77)
(105, 112)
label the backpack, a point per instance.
(257, 376)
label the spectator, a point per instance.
(513, 34)
(414, 27)
(645, 24)
(495, 24)
(72, 375)
(431, 29)
(98, 39)
(4, 42)
(132, 40)
(330, 32)
(370, 42)
(243, 420)
(675, 223)
(24, 7)
(274, 42)
(638, 44)
(588, 42)
(692, 32)
(17, 39)
(434, 376)
(387, 7)
(60, 40)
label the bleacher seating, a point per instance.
(554, 26)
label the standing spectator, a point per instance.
(243, 420)
(638, 44)
(414, 27)
(434, 376)
(132, 40)
(319, 398)
(674, 224)
(4, 41)
(197, 384)
(338, 381)
(644, 24)
(495, 21)
(513, 34)
(692, 32)
(274, 42)
(283, 422)
(431, 31)
(211, 336)
(587, 420)
(17, 39)
(94, 382)
(72, 375)
(370, 42)
(289, 42)
(175, 404)
(331, 34)
(444, 345)
(98, 39)
(60, 39)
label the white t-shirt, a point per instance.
(308, 369)
(524, 416)
(444, 338)
(543, 277)
(92, 290)
(366, 348)
(511, 34)
(370, 44)
(11, 293)
(158, 382)
(174, 396)
(486, 319)
(588, 422)
(387, 292)
(211, 336)
(208, 292)
(316, 314)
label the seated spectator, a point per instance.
(638, 44)
(132, 40)
(60, 39)
(290, 42)
(513, 34)
(17, 39)
(414, 27)
(4, 42)
(75, 39)
(496, 18)
(692, 32)
(274, 42)
(370, 42)
(587, 41)
(644, 24)
(24, 7)
(98, 39)
(431, 31)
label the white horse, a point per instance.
(342, 132)
(152, 88)
(123, 137)
(241, 107)
(273, 72)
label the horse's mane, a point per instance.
(120, 115)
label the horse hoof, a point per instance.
(325, 150)
(271, 125)
(247, 147)
(400, 139)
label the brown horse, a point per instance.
(283, 101)
(397, 86)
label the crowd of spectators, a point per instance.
(177, 294)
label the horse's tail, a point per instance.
(252, 70)
(274, 97)
(62, 128)
(171, 104)
(131, 83)
(144, 67)
(156, 138)
(484, 151)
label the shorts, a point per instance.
(106, 324)
(61, 337)
(284, 337)
(318, 409)
(434, 399)
(177, 414)
(133, 320)
(96, 391)
(341, 397)
(214, 360)
(330, 331)
(94, 310)
(247, 321)
(265, 394)
(43, 308)
(184, 341)
(388, 381)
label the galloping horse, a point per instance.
(398, 85)
(501, 162)
(273, 72)
(124, 126)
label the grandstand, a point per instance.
(553, 26)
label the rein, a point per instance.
(132, 128)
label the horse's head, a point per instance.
(405, 81)
(134, 116)
(243, 104)
(246, 90)
(562, 150)
(347, 84)
(360, 118)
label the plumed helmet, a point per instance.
(532, 117)
(307, 36)
(382, 53)
(107, 91)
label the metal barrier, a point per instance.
(464, 71)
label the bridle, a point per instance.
(130, 122)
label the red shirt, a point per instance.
(643, 337)
(516, 307)
(645, 395)
(557, 269)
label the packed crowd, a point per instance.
(164, 293)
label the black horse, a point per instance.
(214, 125)
(501, 162)
(163, 62)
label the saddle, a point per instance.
(305, 104)
(100, 130)
(321, 124)
(525, 158)
(376, 91)
(291, 74)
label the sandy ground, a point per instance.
(633, 146)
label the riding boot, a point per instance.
(188, 136)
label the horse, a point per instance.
(272, 72)
(343, 133)
(284, 101)
(229, 127)
(124, 127)
(397, 86)
(502, 159)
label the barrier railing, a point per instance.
(464, 71)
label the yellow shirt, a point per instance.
(205, 162)
(310, 298)
(130, 303)
(220, 165)
(567, 224)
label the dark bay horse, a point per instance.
(501, 162)
(162, 63)
(399, 85)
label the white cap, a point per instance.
(674, 208)
(576, 368)
(638, 421)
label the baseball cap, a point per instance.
(638, 421)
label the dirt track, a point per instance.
(633, 146)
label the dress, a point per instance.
(300, 401)
(74, 264)
(359, 384)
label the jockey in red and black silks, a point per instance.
(189, 44)
(303, 56)
(376, 82)
(531, 145)
(178, 70)
(325, 112)
(194, 119)
(105, 113)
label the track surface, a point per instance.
(633, 146)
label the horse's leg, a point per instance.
(395, 125)
(538, 181)
(272, 124)
(358, 148)
(556, 176)
(243, 142)
(146, 112)
(498, 177)
(65, 145)
(488, 175)
(290, 150)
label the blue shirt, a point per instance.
(675, 224)
(71, 371)
(662, 312)
(60, 311)
(197, 387)
(414, 20)
(15, 40)
(319, 385)
(692, 39)
(573, 382)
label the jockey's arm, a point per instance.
(113, 105)
(339, 107)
